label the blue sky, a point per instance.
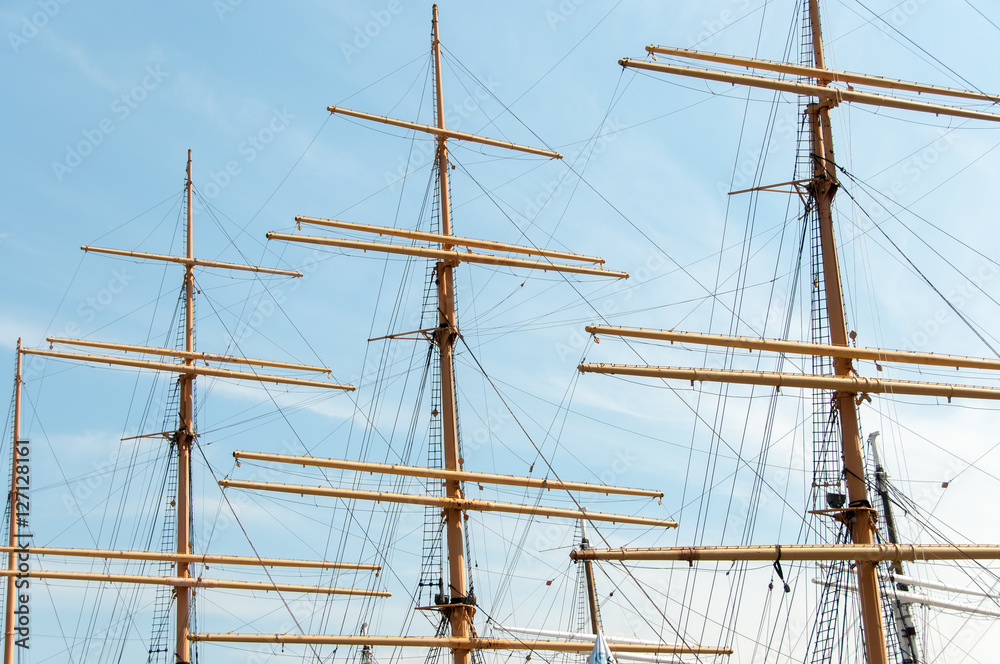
(104, 101)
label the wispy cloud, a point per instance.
(80, 60)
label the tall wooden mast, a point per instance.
(461, 610)
(9, 618)
(184, 438)
(588, 576)
(828, 88)
(457, 605)
(187, 370)
(860, 517)
(906, 633)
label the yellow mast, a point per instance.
(8, 644)
(588, 576)
(458, 606)
(184, 439)
(861, 518)
(846, 384)
(461, 609)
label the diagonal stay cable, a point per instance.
(912, 265)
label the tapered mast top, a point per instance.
(189, 244)
(447, 252)
(187, 367)
(434, 29)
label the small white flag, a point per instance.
(601, 654)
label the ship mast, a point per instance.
(906, 632)
(457, 606)
(11, 598)
(588, 575)
(461, 609)
(187, 370)
(184, 439)
(859, 516)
